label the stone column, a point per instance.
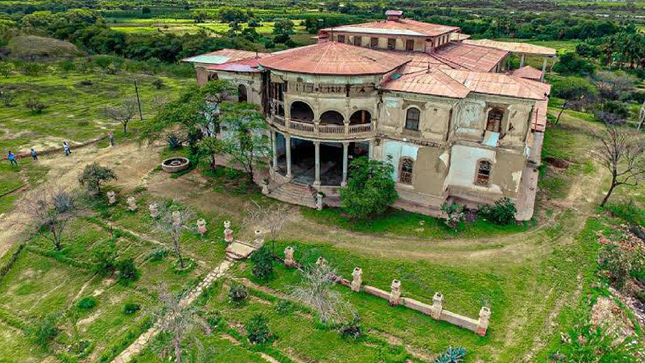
(287, 142)
(522, 60)
(395, 293)
(111, 197)
(543, 69)
(317, 164)
(275, 150)
(437, 305)
(201, 227)
(228, 232)
(345, 162)
(371, 149)
(357, 279)
(288, 257)
(484, 320)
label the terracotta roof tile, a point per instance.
(397, 27)
(334, 59)
(528, 72)
(500, 84)
(513, 47)
(249, 65)
(430, 82)
(470, 57)
(223, 56)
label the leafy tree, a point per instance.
(124, 113)
(257, 329)
(245, 139)
(262, 263)
(622, 152)
(577, 92)
(283, 27)
(105, 259)
(6, 68)
(370, 188)
(571, 63)
(612, 85)
(94, 175)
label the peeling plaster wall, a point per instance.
(396, 150)
(434, 121)
(252, 82)
(463, 168)
(430, 170)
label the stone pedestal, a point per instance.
(395, 293)
(437, 305)
(259, 238)
(228, 232)
(288, 257)
(176, 218)
(201, 227)
(357, 279)
(319, 200)
(132, 204)
(265, 187)
(154, 210)
(321, 261)
(111, 197)
(484, 320)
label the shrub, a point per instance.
(284, 307)
(618, 263)
(502, 213)
(86, 303)
(158, 255)
(454, 214)
(35, 106)
(158, 83)
(104, 259)
(237, 293)
(351, 330)
(370, 188)
(173, 141)
(131, 308)
(263, 263)
(257, 329)
(94, 175)
(128, 272)
(588, 343)
(45, 330)
(452, 355)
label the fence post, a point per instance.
(357, 280)
(484, 320)
(288, 257)
(395, 294)
(437, 305)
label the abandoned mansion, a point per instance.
(445, 110)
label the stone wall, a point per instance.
(395, 298)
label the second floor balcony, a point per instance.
(328, 125)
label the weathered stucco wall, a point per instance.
(434, 116)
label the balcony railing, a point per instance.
(301, 126)
(331, 129)
(357, 129)
(320, 130)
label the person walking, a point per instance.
(12, 159)
(110, 136)
(66, 148)
(34, 154)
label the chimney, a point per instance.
(394, 15)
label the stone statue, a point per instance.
(201, 227)
(357, 279)
(288, 257)
(228, 232)
(395, 294)
(154, 210)
(132, 204)
(111, 197)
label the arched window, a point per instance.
(212, 77)
(495, 117)
(241, 93)
(301, 111)
(360, 117)
(406, 169)
(412, 118)
(332, 117)
(483, 173)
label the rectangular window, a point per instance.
(391, 44)
(374, 42)
(409, 44)
(341, 39)
(358, 41)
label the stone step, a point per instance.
(291, 195)
(238, 251)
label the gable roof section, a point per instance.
(528, 72)
(471, 57)
(500, 84)
(223, 56)
(332, 58)
(428, 82)
(397, 27)
(513, 47)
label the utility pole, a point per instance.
(136, 89)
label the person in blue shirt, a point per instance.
(12, 159)
(34, 154)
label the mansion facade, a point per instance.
(445, 110)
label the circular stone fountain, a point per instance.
(175, 164)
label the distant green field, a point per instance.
(185, 26)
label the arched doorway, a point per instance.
(331, 117)
(360, 117)
(301, 111)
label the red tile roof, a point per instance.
(223, 56)
(334, 59)
(397, 27)
(528, 72)
(500, 84)
(430, 82)
(470, 57)
(249, 65)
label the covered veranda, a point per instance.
(314, 162)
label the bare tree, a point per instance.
(173, 221)
(622, 153)
(51, 211)
(270, 219)
(316, 291)
(124, 113)
(158, 102)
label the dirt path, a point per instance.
(131, 163)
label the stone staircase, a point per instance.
(238, 251)
(294, 193)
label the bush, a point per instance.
(94, 175)
(351, 330)
(237, 293)
(45, 330)
(263, 263)
(35, 106)
(370, 188)
(131, 308)
(454, 214)
(158, 83)
(86, 303)
(452, 355)
(158, 255)
(104, 259)
(618, 264)
(284, 307)
(502, 213)
(257, 329)
(173, 141)
(128, 272)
